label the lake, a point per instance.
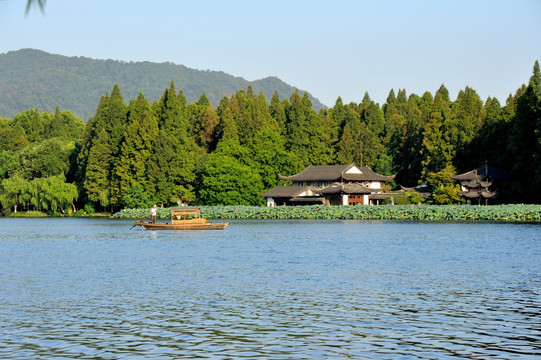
(95, 288)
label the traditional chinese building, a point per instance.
(480, 185)
(330, 185)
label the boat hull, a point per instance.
(169, 226)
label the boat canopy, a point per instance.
(184, 214)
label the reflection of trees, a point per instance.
(41, 4)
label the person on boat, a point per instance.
(153, 212)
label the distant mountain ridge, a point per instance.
(32, 78)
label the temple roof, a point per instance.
(423, 188)
(337, 173)
(307, 200)
(286, 191)
(477, 194)
(478, 182)
(338, 188)
(485, 171)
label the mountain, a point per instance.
(36, 79)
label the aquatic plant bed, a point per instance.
(503, 213)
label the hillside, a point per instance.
(36, 79)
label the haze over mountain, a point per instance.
(36, 79)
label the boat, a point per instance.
(183, 219)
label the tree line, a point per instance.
(171, 152)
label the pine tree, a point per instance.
(467, 114)
(437, 150)
(56, 127)
(524, 145)
(346, 147)
(227, 129)
(297, 140)
(278, 113)
(98, 177)
(136, 150)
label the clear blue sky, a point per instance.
(330, 48)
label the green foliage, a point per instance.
(89, 209)
(80, 213)
(13, 191)
(181, 153)
(227, 181)
(83, 80)
(414, 197)
(445, 189)
(136, 196)
(51, 193)
(97, 180)
(469, 213)
(29, 214)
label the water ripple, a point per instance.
(384, 295)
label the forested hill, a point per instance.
(36, 79)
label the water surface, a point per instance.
(94, 288)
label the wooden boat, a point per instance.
(183, 219)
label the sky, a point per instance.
(338, 48)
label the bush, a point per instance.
(80, 213)
(398, 200)
(89, 209)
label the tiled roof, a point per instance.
(367, 175)
(476, 194)
(337, 188)
(336, 173)
(478, 182)
(483, 172)
(319, 173)
(286, 191)
(308, 200)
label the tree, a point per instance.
(346, 147)
(206, 133)
(137, 149)
(227, 129)
(444, 189)
(173, 169)
(32, 123)
(48, 158)
(62, 193)
(98, 178)
(56, 128)
(225, 181)
(171, 113)
(278, 113)
(524, 145)
(437, 150)
(267, 155)
(467, 114)
(52, 193)
(12, 191)
(136, 196)
(406, 157)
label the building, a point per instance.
(480, 184)
(330, 185)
